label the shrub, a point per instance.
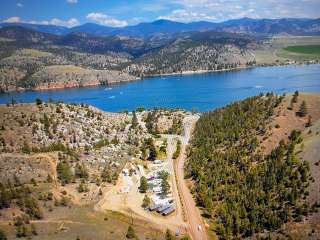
(130, 233)
(146, 201)
(64, 172)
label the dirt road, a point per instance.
(196, 228)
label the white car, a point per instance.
(199, 228)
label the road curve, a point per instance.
(192, 213)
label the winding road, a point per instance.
(196, 227)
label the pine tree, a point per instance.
(185, 238)
(32, 208)
(146, 201)
(152, 153)
(25, 148)
(82, 188)
(295, 97)
(309, 123)
(169, 235)
(130, 233)
(106, 175)
(134, 122)
(64, 172)
(33, 229)
(49, 179)
(165, 187)
(81, 171)
(3, 235)
(4, 198)
(21, 231)
(143, 184)
(143, 153)
(303, 109)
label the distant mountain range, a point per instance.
(291, 26)
(86, 42)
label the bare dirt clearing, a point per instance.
(286, 120)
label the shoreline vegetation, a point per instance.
(239, 68)
(190, 72)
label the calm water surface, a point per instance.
(200, 91)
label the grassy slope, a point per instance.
(69, 223)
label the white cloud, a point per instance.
(183, 15)
(104, 19)
(72, 1)
(231, 9)
(12, 20)
(55, 21)
(68, 23)
(19, 5)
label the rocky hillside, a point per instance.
(57, 160)
(37, 126)
(31, 60)
(36, 132)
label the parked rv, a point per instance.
(168, 211)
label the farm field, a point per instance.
(285, 49)
(304, 49)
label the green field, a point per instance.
(304, 49)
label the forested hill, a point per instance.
(244, 191)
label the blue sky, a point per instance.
(120, 13)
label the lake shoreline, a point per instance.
(202, 92)
(20, 90)
(199, 72)
(227, 69)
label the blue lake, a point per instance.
(200, 91)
